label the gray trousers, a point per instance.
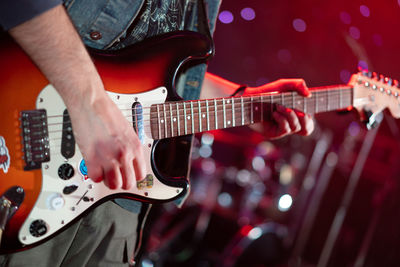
(104, 237)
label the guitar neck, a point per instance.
(173, 119)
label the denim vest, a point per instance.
(102, 24)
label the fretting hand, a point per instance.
(285, 121)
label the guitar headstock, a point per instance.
(373, 93)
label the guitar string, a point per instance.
(170, 132)
(237, 105)
(289, 95)
(203, 110)
(211, 115)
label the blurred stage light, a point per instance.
(248, 13)
(363, 65)
(285, 202)
(286, 174)
(364, 10)
(299, 25)
(258, 163)
(208, 166)
(354, 128)
(205, 151)
(345, 17)
(243, 177)
(265, 148)
(255, 233)
(224, 200)
(147, 263)
(207, 139)
(354, 32)
(225, 17)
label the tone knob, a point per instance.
(38, 228)
(55, 201)
(66, 171)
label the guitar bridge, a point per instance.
(35, 138)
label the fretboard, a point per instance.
(173, 119)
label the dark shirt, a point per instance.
(14, 12)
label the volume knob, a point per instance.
(66, 171)
(38, 228)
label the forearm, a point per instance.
(53, 44)
(215, 86)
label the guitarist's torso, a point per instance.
(43, 175)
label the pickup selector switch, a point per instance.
(38, 228)
(70, 189)
(66, 171)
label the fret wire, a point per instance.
(171, 117)
(178, 118)
(191, 107)
(332, 96)
(233, 112)
(252, 115)
(327, 97)
(208, 116)
(215, 114)
(159, 126)
(293, 106)
(199, 105)
(305, 105)
(223, 107)
(184, 111)
(165, 121)
(334, 92)
(271, 105)
(241, 102)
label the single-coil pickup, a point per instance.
(137, 120)
(67, 137)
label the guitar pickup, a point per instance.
(137, 120)
(67, 137)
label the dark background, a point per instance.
(341, 169)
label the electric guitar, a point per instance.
(44, 185)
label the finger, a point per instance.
(283, 124)
(128, 173)
(112, 175)
(94, 171)
(291, 118)
(298, 85)
(282, 85)
(139, 166)
(302, 89)
(306, 122)
(139, 163)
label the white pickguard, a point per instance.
(57, 209)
